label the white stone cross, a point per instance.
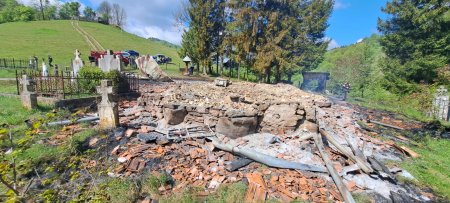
(105, 90)
(27, 84)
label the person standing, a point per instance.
(346, 87)
(35, 62)
(50, 61)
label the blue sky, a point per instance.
(350, 21)
(354, 19)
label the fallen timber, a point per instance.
(265, 159)
(334, 174)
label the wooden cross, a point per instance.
(105, 90)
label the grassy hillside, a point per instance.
(21, 40)
(331, 57)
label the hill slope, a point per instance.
(358, 64)
(59, 39)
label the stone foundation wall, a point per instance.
(281, 117)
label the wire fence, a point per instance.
(66, 85)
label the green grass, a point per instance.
(8, 72)
(9, 87)
(432, 168)
(59, 39)
(12, 112)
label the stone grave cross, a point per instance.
(108, 110)
(28, 94)
(441, 104)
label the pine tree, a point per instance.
(286, 36)
(416, 41)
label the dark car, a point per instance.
(161, 59)
(132, 53)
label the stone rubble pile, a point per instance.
(274, 120)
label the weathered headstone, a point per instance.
(441, 104)
(28, 94)
(77, 63)
(150, 69)
(108, 109)
(44, 70)
(109, 62)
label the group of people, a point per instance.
(33, 64)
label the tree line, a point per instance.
(274, 39)
(12, 11)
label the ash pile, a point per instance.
(284, 143)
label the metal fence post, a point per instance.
(63, 91)
(17, 83)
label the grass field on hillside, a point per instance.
(58, 38)
(21, 40)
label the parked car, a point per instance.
(95, 55)
(161, 59)
(132, 53)
(125, 54)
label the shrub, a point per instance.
(91, 77)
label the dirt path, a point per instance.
(93, 43)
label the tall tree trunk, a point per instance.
(277, 74)
(289, 75)
(42, 10)
(239, 71)
(221, 67)
(217, 63)
(268, 70)
(204, 69)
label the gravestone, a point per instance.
(108, 109)
(109, 62)
(441, 104)
(28, 94)
(44, 70)
(77, 63)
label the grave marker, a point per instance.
(77, 63)
(107, 109)
(441, 104)
(28, 94)
(109, 62)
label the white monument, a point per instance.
(441, 104)
(44, 70)
(77, 63)
(109, 62)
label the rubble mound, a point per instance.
(206, 135)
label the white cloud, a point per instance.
(332, 44)
(339, 4)
(359, 40)
(153, 18)
(145, 18)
